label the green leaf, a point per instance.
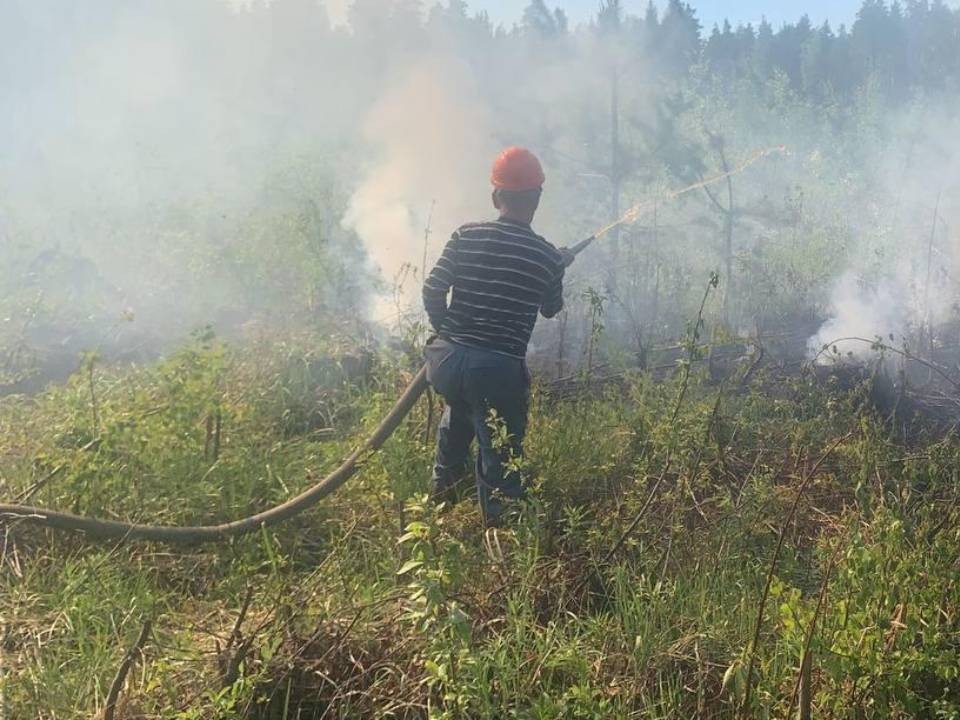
(731, 674)
(408, 566)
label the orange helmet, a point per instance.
(517, 169)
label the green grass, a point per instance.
(537, 623)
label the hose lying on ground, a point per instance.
(213, 533)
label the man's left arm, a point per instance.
(438, 283)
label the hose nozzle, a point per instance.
(582, 245)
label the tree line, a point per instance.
(896, 48)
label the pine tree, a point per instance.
(843, 74)
(745, 41)
(562, 22)
(815, 63)
(540, 21)
(869, 38)
(943, 48)
(649, 30)
(651, 18)
(680, 45)
(720, 51)
(896, 67)
(763, 50)
(788, 49)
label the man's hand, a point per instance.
(567, 256)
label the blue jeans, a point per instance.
(473, 382)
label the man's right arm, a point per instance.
(438, 283)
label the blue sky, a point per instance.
(709, 11)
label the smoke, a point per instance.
(860, 312)
(900, 281)
(338, 11)
(432, 138)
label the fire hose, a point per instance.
(193, 535)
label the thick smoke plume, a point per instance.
(432, 142)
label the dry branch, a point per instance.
(121, 677)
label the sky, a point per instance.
(709, 11)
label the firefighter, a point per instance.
(500, 275)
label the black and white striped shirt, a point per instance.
(502, 274)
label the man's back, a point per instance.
(502, 275)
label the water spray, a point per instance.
(636, 211)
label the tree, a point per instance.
(942, 38)
(878, 43)
(843, 74)
(609, 26)
(455, 25)
(610, 17)
(788, 49)
(745, 42)
(540, 21)
(763, 50)
(720, 52)
(816, 63)
(679, 46)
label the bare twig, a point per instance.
(231, 659)
(42, 482)
(804, 685)
(128, 660)
(803, 677)
(217, 428)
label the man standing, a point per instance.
(502, 275)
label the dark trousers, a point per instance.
(473, 383)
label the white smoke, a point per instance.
(338, 11)
(860, 312)
(433, 145)
(901, 278)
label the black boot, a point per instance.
(444, 492)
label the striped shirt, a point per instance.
(502, 275)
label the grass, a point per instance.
(377, 605)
